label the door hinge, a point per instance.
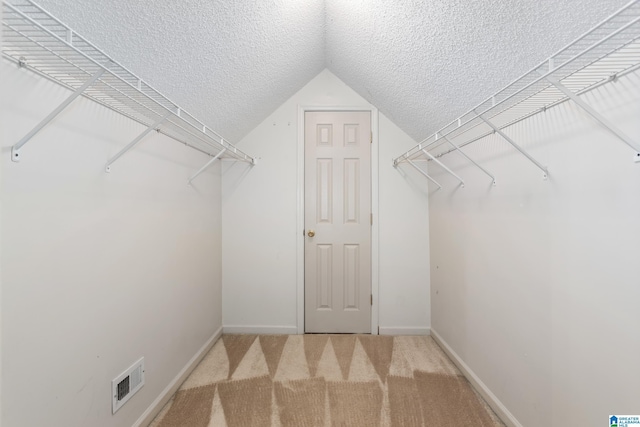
(371, 299)
(371, 138)
(371, 216)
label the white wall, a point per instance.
(98, 269)
(535, 284)
(259, 224)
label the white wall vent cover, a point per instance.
(127, 384)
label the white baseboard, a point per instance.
(285, 330)
(497, 406)
(403, 330)
(157, 405)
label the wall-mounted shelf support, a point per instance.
(15, 150)
(135, 141)
(209, 163)
(424, 173)
(604, 54)
(36, 40)
(443, 166)
(516, 146)
(459, 150)
(594, 114)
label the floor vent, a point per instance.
(127, 384)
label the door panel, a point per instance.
(337, 210)
(324, 277)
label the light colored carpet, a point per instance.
(325, 381)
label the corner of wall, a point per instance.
(266, 293)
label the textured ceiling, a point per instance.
(229, 63)
(422, 63)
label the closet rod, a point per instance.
(35, 39)
(618, 51)
(529, 85)
(612, 78)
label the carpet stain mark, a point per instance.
(190, 408)
(362, 370)
(272, 346)
(236, 347)
(379, 348)
(313, 349)
(385, 416)
(411, 353)
(275, 414)
(253, 364)
(217, 413)
(343, 346)
(328, 367)
(355, 404)
(293, 363)
(327, 408)
(157, 421)
(301, 403)
(442, 395)
(246, 403)
(402, 363)
(438, 358)
(434, 383)
(214, 367)
(404, 402)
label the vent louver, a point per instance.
(123, 388)
(127, 384)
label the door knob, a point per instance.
(311, 233)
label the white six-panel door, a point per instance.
(338, 222)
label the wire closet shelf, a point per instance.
(34, 39)
(604, 54)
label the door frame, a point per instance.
(375, 250)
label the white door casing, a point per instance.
(337, 217)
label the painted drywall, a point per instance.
(259, 224)
(534, 282)
(2, 126)
(98, 269)
(404, 240)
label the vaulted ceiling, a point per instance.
(422, 63)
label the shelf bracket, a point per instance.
(443, 166)
(15, 150)
(459, 150)
(594, 114)
(209, 163)
(424, 173)
(516, 146)
(135, 141)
